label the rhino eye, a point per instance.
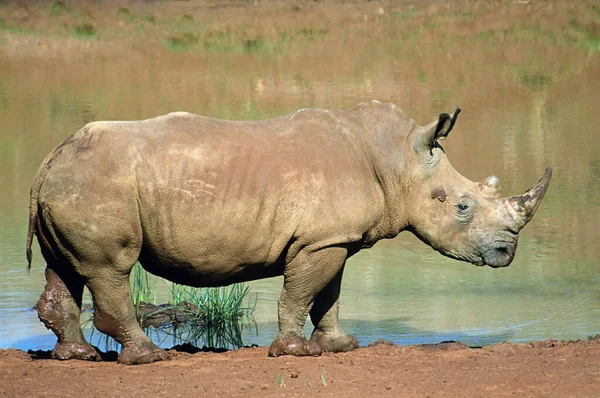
(462, 207)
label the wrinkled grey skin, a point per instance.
(208, 202)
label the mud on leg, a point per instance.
(59, 308)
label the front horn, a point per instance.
(524, 206)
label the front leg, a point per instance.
(328, 333)
(304, 278)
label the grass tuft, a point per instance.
(214, 315)
(257, 45)
(123, 14)
(58, 8)
(404, 15)
(535, 81)
(186, 19)
(85, 31)
(185, 41)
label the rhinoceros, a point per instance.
(207, 202)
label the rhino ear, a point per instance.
(436, 132)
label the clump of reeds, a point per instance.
(211, 317)
(141, 291)
(214, 315)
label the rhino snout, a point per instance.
(500, 256)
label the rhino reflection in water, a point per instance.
(207, 202)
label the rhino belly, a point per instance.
(208, 244)
(218, 268)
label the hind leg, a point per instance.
(114, 315)
(59, 308)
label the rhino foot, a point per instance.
(297, 346)
(65, 351)
(334, 342)
(133, 355)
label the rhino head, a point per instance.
(462, 219)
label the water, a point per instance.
(529, 93)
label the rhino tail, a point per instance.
(33, 207)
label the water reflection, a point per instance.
(529, 99)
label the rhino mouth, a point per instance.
(500, 256)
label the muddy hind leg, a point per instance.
(304, 278)
(114, 315)
(328, 333)
(59, 308)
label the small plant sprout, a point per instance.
(324, 376)
(279, 379)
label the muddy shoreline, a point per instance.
(545, 368)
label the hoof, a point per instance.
(139, 356)
(65, 351)
(335, 342)
(297, 346)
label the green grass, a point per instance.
(142, 291)
(189, 36)
(323, 376)
(58, 8)
(486, 36)
(84, 31)
(279, 379)
(212, 317)
(9, 28)
(186, 22)
(216, 315)
(313, 34)
(184, 41)
(464, 13)
(256, 45)
(123, 14)
(150, 18)
(535, 81)
(582, 35)
(404, 15)
(595, 11)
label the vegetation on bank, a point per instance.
(195, 29)
(211, 317)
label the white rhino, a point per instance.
(207, 202)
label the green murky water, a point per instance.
(530, 96)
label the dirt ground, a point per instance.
(547, 368)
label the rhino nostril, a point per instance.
(502, 250)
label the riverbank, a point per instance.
(112, 30)
(546, 368)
